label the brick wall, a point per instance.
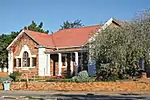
(128, 86)
(26, 40)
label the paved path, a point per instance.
(71, 95)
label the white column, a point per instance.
(76, 62)
(48, 64)
(10, 62)
(59, 64)
(42, 61)
(71, 66)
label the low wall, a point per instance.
(130, 86)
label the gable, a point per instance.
(110, 23)
(20, 35)
(22, 41)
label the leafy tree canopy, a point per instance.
(118, 51)
(75, 24)
(38, 28)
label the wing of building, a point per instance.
(58, 54)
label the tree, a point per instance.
(38, 28)
(76, 24)
(118, 51)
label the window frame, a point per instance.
(25, 59)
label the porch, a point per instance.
(67, 63)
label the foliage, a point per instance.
(81, 77)
(3, 79)
(110, 72)
(37, 28)
(15, 76)
(76, 24)
(118, 51)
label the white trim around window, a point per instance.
(25, 48)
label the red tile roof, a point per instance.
(65, 38)
(41, 38)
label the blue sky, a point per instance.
(15, 14)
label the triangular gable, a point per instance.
(19, 35)
(107, 24)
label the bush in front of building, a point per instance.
(15, 75)
(3, 79)
(125, 49)
(82, 77)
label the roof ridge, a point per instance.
(38, 32)
(79, 27)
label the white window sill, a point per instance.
(24, 67)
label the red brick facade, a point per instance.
(26, 40)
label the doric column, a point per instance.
(76, 62)
(71, 66)
(48, 64)
(59, 64)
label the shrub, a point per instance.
(81, 77)
(114, 71)
(108, 72)
(3, 79)
(15, 75)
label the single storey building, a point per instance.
(62, 53)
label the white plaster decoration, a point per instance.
(0, 69)
(33, 56)
(42, 61)
(76, 62)
(24, 48)
(5, 69)
(59, 64)
(10, 62)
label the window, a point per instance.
(64, 60)
(19, 62)
(26, 59)
(14, 62)
(33, 61)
